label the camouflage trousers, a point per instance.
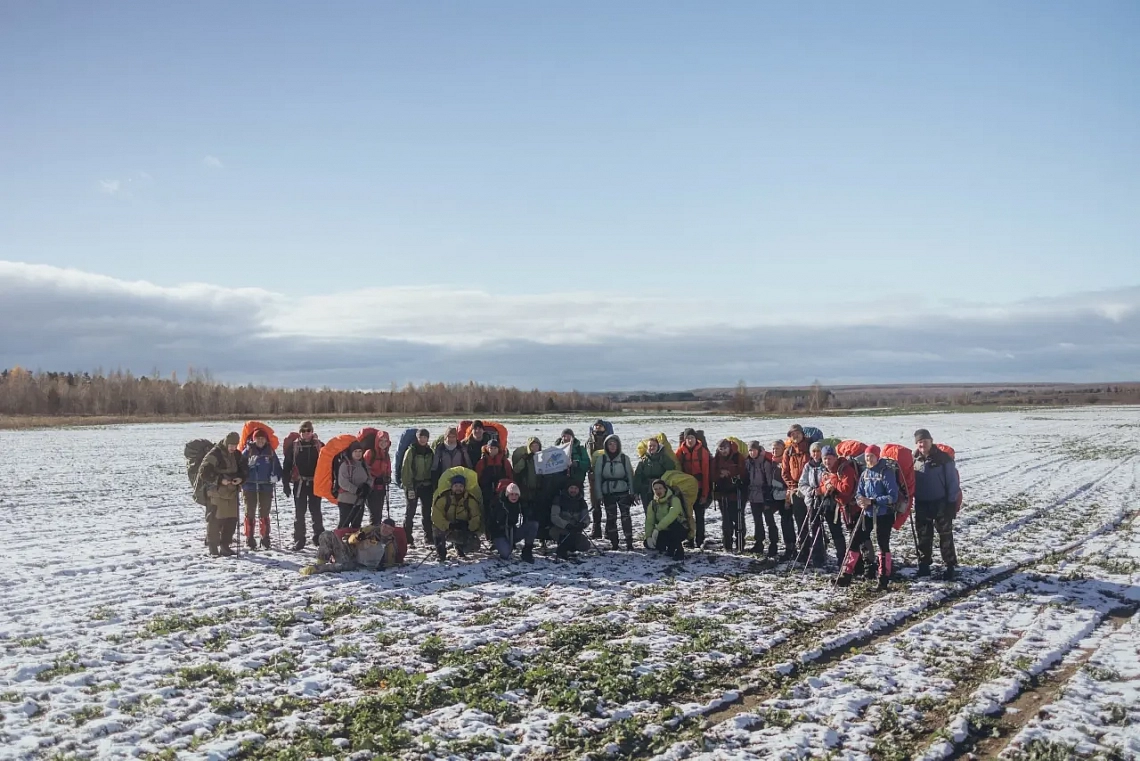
(929, 518)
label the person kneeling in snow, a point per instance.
(569, 516)
(665, 527)
(503, 526)
(368, 549)
(457, 519)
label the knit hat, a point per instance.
(567, 431)
(258, 434)
(816, 446)
(388, 522)
(921, 434)
(423, 432)
(659, 481)
(828, 451)
(873, 449)
(754, 445)
(478, 424)
(458, 479)
(795, 428)
(233, 438)
(493, 443)
(689, 432)
(513, 489)
(354, 446)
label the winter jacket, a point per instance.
(736, 482)
(596, 442)
(475, 446)
(491, 470)
(566, 510)
(446, 459)
(698, 464)
(579, 462)
(879, 484)
(378, 461)
(662, 513)
(264, 468)
(301, 459)
(776, 489)
(810, 479)
(841, 484)
(350, 476)
(501, 515)
(522, 462)
(417, 466)
(759, 491)
(220, 464)
(651, 467)
(936, 477)
(796, 457)
(448, 509)
(613, 474)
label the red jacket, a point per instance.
(733, 463)
(698, 464)
(796, 458)
(378, 461)
(492, 470)
(841, 484)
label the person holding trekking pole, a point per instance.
(379, 464)
(260, 488)
(876, 496)
(811, 477)
(353, 483)
(792, 464)
(730, 478)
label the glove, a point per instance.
(285, 487)
(460, 525)
(651, 540)
(362, 490)
(410, 494)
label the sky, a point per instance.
(599, 196)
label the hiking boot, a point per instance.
(679, 553)
(265, 545)
(884, 582)
(629, 544)
(756, 549)
(563, 553)
(225, 551)
(773, 551)
(615, 544)
(870, 572)
(251, 542)
(459, 551)
(690, 545)
(949, 574)
(923, 569)
(788, 556)
(441, 553)
(843, 580)
(213, 550)
(527, 555)
(298, 545)
(597, 534)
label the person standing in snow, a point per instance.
(379, 464)
(613, 480)
(300, 468)
(264, 474)
(222, 472)
(419, 485)
(693, 458)
(457, 519)
(449, 454)
(594, 444)
(730, 486)
(876, 496)
(353, 482)
(937, 489)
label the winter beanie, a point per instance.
(457, 479)
(873, 449)
(795, 428)
(754, 445)
(513, 489)
(568, 431)
(828, 451)
(689, 432)
(233, 438)
(921, 434)
(423, 432)
(816, 446)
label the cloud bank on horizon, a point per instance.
(64, 319)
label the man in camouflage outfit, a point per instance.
(368, 549)
(219, 484)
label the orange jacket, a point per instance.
(698, 464)
(796, 457)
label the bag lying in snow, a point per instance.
(687, 489)
(900, 459)
(195, 451)
(406, 439)
(324, 481)
(251, 426)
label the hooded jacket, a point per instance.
(651, 467)
(879, 485)
(476, 446)
(567, 509)
(579, 461)
(446, 459)
(448, 509)
(936, 477)
(417, 470)
(841, 483)
(698, 464)
(596, 441)
(378, 461)
(351, 474)
(502, 514)
(662, 513)
(759, 491)
(737, 479)
(796, 457)
(613, 474)
(810, 479)
(264, 467)
(491, 470)
(776, 489)
(528, 479)
(220, 464)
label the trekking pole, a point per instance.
(914, 533)
(741, 529)
(802, 533)
(811, 550)
(276, 514)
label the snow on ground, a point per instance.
(120, 637)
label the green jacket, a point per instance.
(663, 513)
(417, 467)
(522, 460)
(649, 470)
(579, 462)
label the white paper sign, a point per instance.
(552, 460)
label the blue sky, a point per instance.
(756, 162)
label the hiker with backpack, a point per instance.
(569, 517)
(797, 453)
(693, 458)
(457, 518)
(729, 487)
(594, 444)
(812, 540)
(761, 472)
(613, 481)
(264, 473)
(379, 464)
(508, 521)
(665, 526)
(353, 483)
(937, 494)
(449, 454)
(419, 485)
(302, 451)
(372, 548)
(876, 497)
(836, 493)
(218, 483)
(477, 438)
(492, 468)
(579, 457)
(654, 465)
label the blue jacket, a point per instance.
(879, 485)
(935, 478)
(264, 468)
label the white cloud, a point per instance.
(213, 162)
(69, 319)
(110, 187)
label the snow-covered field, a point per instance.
(120, 637)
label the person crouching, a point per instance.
(665, 527)
(508, 522)
(457, 518)
(569, 516)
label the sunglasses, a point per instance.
(306, 430)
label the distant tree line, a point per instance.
(122, 394)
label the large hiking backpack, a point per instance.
(251, 426)
(406, 439)
(666, 447)
(949, 451)
(850, 448)
(812, 434)
(324, 482)
(686, 488)
(469, 475)
(901, 461)
(195, 451)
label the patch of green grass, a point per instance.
(282, 665)
(1102, 674)
(485, 618)
(86, 714)
(160, 626)
(95, 689)
(36, 641)
(9, 697)
(656, 612)
(282, 621)
(335, 610)
(1117, 715)
(582, 635)
(102, 613)
(432, 648)
(199, 676)
(1042, 750)
(68, 663)
(217, 642)
(347, 651)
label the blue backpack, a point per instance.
(406, 439)
(812, 434)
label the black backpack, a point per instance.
(195, 451)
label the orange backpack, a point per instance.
(324, 480)
(247, 433)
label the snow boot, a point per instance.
(214, 550)
(756, 549)
(629, 543)
(847, 571)
(228, 527)
(298, 545)
(679, 554)
(225, 551)
(250, 540)
(614, 543)
(885, 570)
(870, 569)
(263, 524)
(949, 574)
(923, 569)
(528, 554)
(441, 552)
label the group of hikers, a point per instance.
(465, 487)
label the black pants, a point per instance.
(422, 501)
(730, 513)
(670, 540)
(376, 500)
(615, 503)
(351, 515)
(304, 501)
(881, 527)
(764, 526)
(699, 513)
(810, 524)
(595, 510)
